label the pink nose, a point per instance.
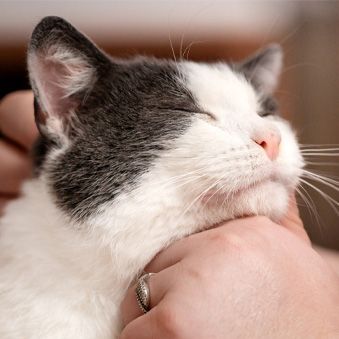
(270, 142)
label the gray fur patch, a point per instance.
(134, 108)
(128, 119)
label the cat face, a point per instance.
(206, 134)
(247, 156)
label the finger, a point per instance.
(159, 284)
(15, 167)
(177, 251)
(293, 222)
(167, 257)
(183, 247)
(142, 328)
(17, 118)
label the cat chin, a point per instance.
(269, 198)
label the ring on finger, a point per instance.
(143, 293)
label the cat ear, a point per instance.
(263, 68)
(63, 66)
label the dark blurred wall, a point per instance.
(314, 89)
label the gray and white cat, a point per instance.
(133, 155)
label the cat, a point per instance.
(133, 154)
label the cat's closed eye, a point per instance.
(269, 107)
(207, 115)
(202, 113)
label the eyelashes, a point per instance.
(200, 112)
(269, 106)
(209, 115)
(265, 114)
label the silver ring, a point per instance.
(143, 293)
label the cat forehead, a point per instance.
(219, 89)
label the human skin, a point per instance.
(18, 132)
(247, 278)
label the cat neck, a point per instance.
(121, 238)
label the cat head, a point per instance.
(204, 134)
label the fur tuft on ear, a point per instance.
(263, 68)
(63, 66)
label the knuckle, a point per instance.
(225, 241)
(125, 335)
(262, 221)
(260, 226)
(189, 271)
(167, 322)
(247, 238)
(13, 95)
(8, 98)
(128, 334)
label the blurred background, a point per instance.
(217, 30)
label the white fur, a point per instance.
(62, 280)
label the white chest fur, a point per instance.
(53, 282)
(60, 282)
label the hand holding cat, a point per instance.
(249, 278)
(18, 132)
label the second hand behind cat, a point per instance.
(133, 154)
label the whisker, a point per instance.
(171, 45)
(311, 208)
(231, 155)
(216, 192)
(302, 64)
(188, 27)
(190, 45)
(320, 154)
(174, 179)
(332, 179)
(173, 52)
(319, 179)
(198, 197)
(321, 163)
(333, 203)
(317, 145)
(288, 36)
(263, 41)
(332, 149)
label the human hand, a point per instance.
(18, 132)
(249, 278)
